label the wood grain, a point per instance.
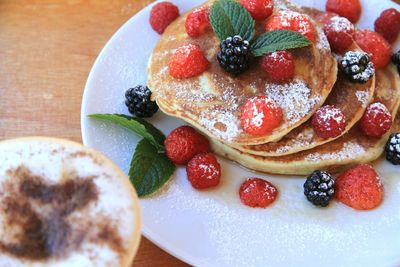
(47, 48)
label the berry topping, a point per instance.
(256, 192)
(278, 66)
(324, 18)
(350, 9)
(161, 16)
(319, 188)
(260, 116)
(375, 45)
(329, 122)
(396, 60)
(204, 171)
(197, 21)
(357, 66)
(187, 61)
(183, 143)
(376, 121)
(259, 9)
(138, 101)
(339, 32)
(393, 149)
(234, 56)
(388, 24)
(360, 188)
(288, 20)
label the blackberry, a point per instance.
(393, 149)
(357, 66)
(319, 188)
(396, 60)
(138, 101)
(234, 56)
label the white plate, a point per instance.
(212, 228)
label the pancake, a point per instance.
(62, 204)
(212, 101)
(352, 148)
(351, 98)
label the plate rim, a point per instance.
(148, 233)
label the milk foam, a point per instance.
(103, 227)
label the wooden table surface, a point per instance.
(47, 48)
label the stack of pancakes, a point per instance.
(212, 103)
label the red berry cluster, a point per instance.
(360, 188)
(256, 192)
(329, 122)
(376, 121)
(341, 33)
(260, 116)
(188, 61)
(185, 146)
(289, 20)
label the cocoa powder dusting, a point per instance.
(37, 214)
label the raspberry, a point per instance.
(183, 143)
(260, 116)
(288, 20)
(350, 9)
(360, 188)
(324, 18)
(376, 121)
(204, 171)
(162, 14)
(197, 21)
(256, 192)
(329, 122)
(375, 45)
(388, 24)
(339, 32)
(259, 9)
(187, 61)
(278, 66)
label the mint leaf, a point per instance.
(229, 18)
(278, 40)
(136, 125)
(149, 169)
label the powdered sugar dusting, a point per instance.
(209, 170)
(304, 138)
(363, 98)
(224, 123)
(294, 98)
(349, 150)
(340, 24)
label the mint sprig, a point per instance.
(136, 125)
(150, 168)
(229, 18)
(278, 40)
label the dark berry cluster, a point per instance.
(319, 188)
(393, 149)
(396, 60)
(357, 66)
(138, 101)
(234, 56)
